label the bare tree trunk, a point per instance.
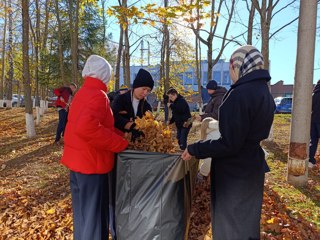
(60, 43)
(265, 21)
(103, 2)
(30, 127)
(301, 111)
(250, 24)
(124, 73)
(210, 61)
(76, 43)
(265, 44)
(37, 47)
(3, 55)
(44, 49)
(162, 63)
(167, 51)
(127, 80)
(198, 60)
(167, 59)
(46, 23)
(10, 57)
(118, 66)
(126, 52)
(212, 34)
(74, 25)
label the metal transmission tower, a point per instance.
(142, 49)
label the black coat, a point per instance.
(212, 108)
(237, 169)
(315, 116)
(123, 111)
(180, 111)
(165, 99)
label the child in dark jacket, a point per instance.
(180, 116)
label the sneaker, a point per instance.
(311, 165)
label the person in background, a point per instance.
(90, 144)
(123, 89)
(112, 95)
(238, 161)
(315, 125)
(212, 108)
(64, 98)
(181, 116)
(204, 95)
(126, 107)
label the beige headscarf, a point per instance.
(246, 59)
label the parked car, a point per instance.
(15, 98)
(52, 101)
(283, 104)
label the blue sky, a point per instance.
(283, 47)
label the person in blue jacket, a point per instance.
(238, 161)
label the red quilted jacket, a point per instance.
(62, 93)
(90, 139)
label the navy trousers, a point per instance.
(112, 176)
(166, 113)
(314, 139)
(90, 203)
(63, 114)
(182, 136)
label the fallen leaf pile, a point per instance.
(200, 222)
(278, 222)
(157, 136)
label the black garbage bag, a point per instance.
(153, 195)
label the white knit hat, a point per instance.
(97, 67)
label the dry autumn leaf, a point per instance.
(157, 136)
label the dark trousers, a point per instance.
(182, 136)
(235, 205)
(166, 113)
(63, 115)
(90, 206)
(314, 139)
(112, 176)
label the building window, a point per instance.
(195, 81)
(217, 76)
(188, 78)
(226, 78)
(180, 76)
(205, 78)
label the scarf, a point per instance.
(246, 59)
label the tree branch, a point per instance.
(283, 8)
(283, 27)
(256, 5)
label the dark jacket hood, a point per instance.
(255, 75)
(316, 88)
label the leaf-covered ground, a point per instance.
(35, 196)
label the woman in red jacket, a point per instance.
(90, 144)
(64, 97)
